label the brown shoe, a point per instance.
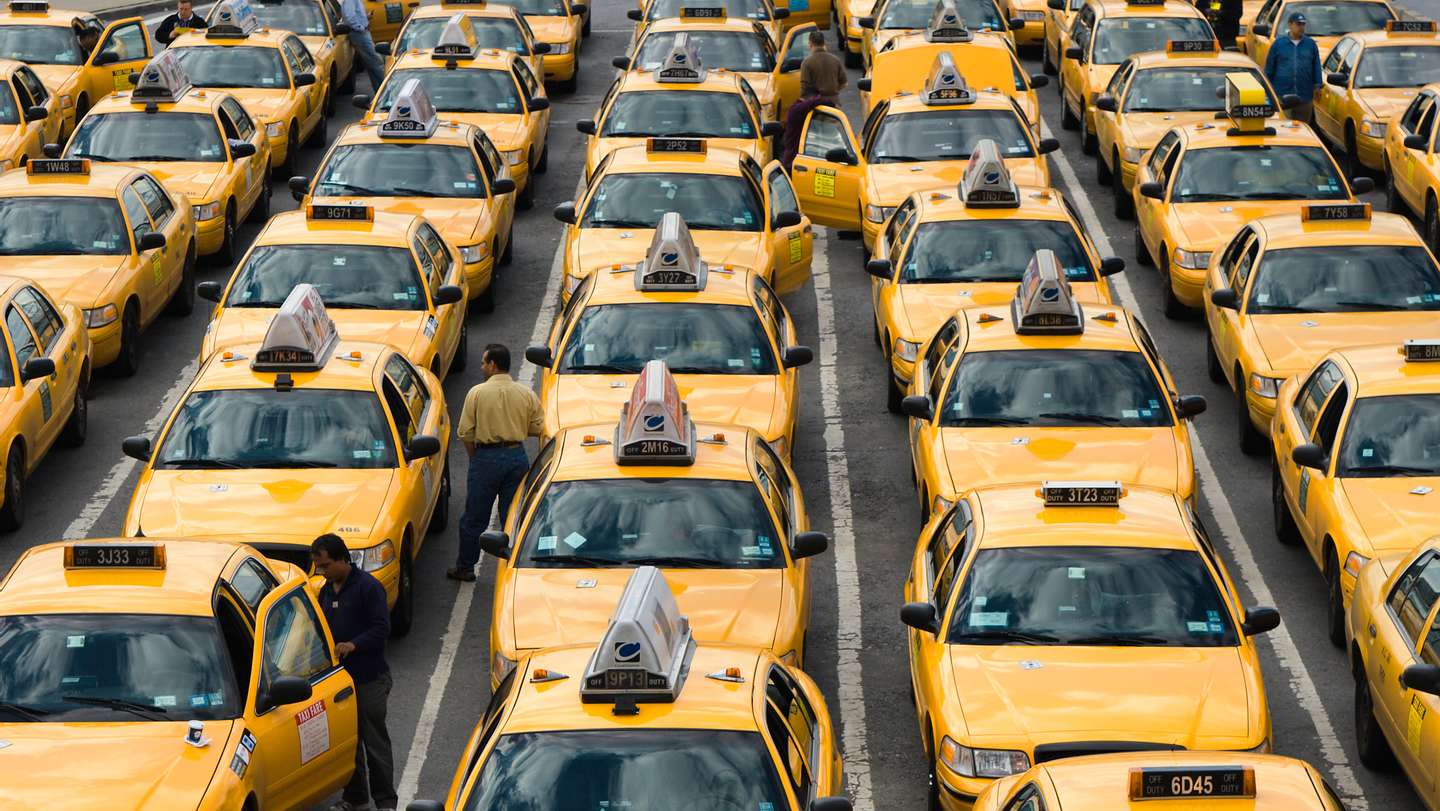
(464, 574)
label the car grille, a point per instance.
(289, 553)
(1046, 752)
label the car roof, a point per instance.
(104, 180)
(1208, 134)
(717, 80)
(447, 133)
(1384, 39)
(496, 10)
(262, 37)
(908, 102)
(638, 158)
(740, 25)
(1223, 59)
(385, 228)
(1036, 203)
(580, 460)
(484, 59)
(195, 100)
(617, 286)
(1381, 370)
(1292, 231)
(992, 328)
(1146, 517)
(1121, 8)
(1102, 782)
(230, 369)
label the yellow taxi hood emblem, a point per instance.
(1292, 348)
(1394, 517)
(1147, 456)
(304, 502)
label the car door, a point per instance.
(1149, 212)
(298, 58)
(1406, 163)
(37, 396)
(933, 581)
(147, 266)
(793, 50)
(1330, 106)
(124, 49)
(1316, 494)
(34, 131)
(414, 413)
(791, 245)
(306, 749)
(537, 121)
(52, 341)
(1394, 633)
(449, 318)
(237, 126)
(829, 190)
(1228, 323)
(1297, 425)
(166, 220)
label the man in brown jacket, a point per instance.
(822, 77)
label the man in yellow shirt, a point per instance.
(497, 416)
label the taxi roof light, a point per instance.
(1421, 351)
(672, 262)
(655, 426)
(1247, 105)
(58, 166)
(300, 337)
(1192, 782)
(468, 3)
(114, 555)
(1192, 46)
(457, 41)
(703, 12)
(231, 19)
(161, 81)
(986, 182)
(1410, 26)
(1335, 212)
(682, 65)
(341, 212)
(661, 145)
(411, 115)
(29, 6)
(645, 654)
(1043, 302)
(1151, 3)
(945, 85)
(1081, 493)
(946, 24)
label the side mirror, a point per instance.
(793, 356)
(495, 543)
(210, 291)
(635, 14)
(585, 126)
(781, 14)
(1106, 103)
(809, 544)
(787, 219)
(621, 62)
(1362, 185)
(37, 368)
(421, 446)
(1258, 620)
(55, 150)
(425, 805)
(578, 8)
(921, 617)
(448, 294)
(136, 447)
(361, 101)
(771, 129)
(341, 29)
(151, 241)
(1039, 80)
(565, 212)
(384, 48)
(918, 407)
(1336, 79)
(838, 154)
(866, 22)
(106, 58)
(830, 804)
(880, 269)
(286, 690)
(540, 356)
(1310, 455)
(36, 113)
(1226, 299)
(864, 84)
(241, 149)
(541, 48)
(1055, 5)
(1048, 145)
(503, 185)
(537, 104)
(1260, 29)
(299, 187)
(1152, 190)
(793, 64)
(1289, 101)
(1111, 265)
(304, 79)
(1189, 406)
(1074, 52)
(1411, 142)
(1421, 677)
(1016, 23)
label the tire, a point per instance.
(1212, 362)
(1046, 64)
(543, 165)
(508, 256)
(78, 426)
(260, 212)
(1124, 205)
(585, 29)
(1286, 532)
(462, 351)
(1174, 310)
(571, 84)
(893, 396)
(440, 518)
(1432, 223)
(1142, 253)
(402, 617)
(182, 301)
(1103, 175)
(525, 200)
(1252, 443)
(127, 363)
(485, 302)
(1334, 603)
(1353, 166)
(292, 147)
(347, 85)
(321, 133)
(330, 94)
(1393, 202)
(1370, 742)
(1067, 119)
(230, 243)
(12, 511)
(1089, 141)
(932, 791)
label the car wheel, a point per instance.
(585, 29)
(127, 363)
(1370, 741)
(1286, 530)
(330, 95)
(1212, 361)
(509, 255)
(260, 212)
(525, 200)
(485, 302)
(348, 84)
(893, 395)
(182, 301)
(1353, 166)
(402, 617)
(543, 165)
(12, 512)
(1067, 119)
(1432, 224)
(1046, 63)
(1089, 142)
(462, 350)
(78, 426)
(932, 792)
(292, 147)
(569, 85)
(1335, 603)
(1142, 253)
(321, 133)
(440, 518)
(1103, 175)
(1251, 440)
(229, 243)
(1124, 205)
(1393, 201)
(1174, 310)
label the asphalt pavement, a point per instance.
(853, 462)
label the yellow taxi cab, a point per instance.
(1412, 171)
(1045, 387)
(1370, 78)
(298, 435)
(1326, 21)
(1074, 618)
(761, 12)
(1290, 287)
(1186, 781)
(234, 660)
(495, 26)
(318, 24)
(202, 144)
(734, 45)
(819, 13)
(1202, 182)
(721, 330)
(943, 250)
(1394, 648)
(30, 115)
(649, 718)
(110, 240)
(895, 18)
(713, 505)
(271, 72)
(682, 98)
(911, 142)
(490, 89)
(79, 58)
(1152, 92)
(990, 62)
(1104, 34)
(1059, 15)
(384, 279)
(849, 36)
(1031, 14)
(1352, 472)
(411, 162)
(741, 216)
(44, 380)
(560, 24)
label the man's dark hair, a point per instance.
(498, 354)
(817, 39)
(332, 545)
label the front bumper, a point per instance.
(559, 67)
(105, 344)
(1187, 284)
(1032, 33)
(478, 275)
(1261, 409)
(209, 235)
(1372, 151)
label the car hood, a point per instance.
(1394, 517)
(183, 503)
(1144, 456)
(194, 179)
(745, 400)
(560, 606)
(506, 130)
(928, 305)
(267, 104)
(1145, 129)
(145, 765)
(458, 219)
(399, 328)
(1385, 102)
(1205, 226)
(1294, 342)
(602, 247)
(76, 280)
(890, 183)
(55, 77)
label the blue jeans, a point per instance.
(369, 58)
(494, 472)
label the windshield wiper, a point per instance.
(353, 305)
(1372, 305)
(1005, 637)
(94, 157)
(1205, 198)
(154, 158)
(622, 224)
(901, 159)
(1399, 470)
(43, 251)
(961, 422)
(135, 708)
(350, 188)
(603, 369)
(295, 463)
(407, 191)
(28, 713)
(700, 370)
(582, 561)
(1077, 416)
(1273, 195)
(259, 304)
(680, 562)
(1284, 308)
(201, 462)
(1117, 639)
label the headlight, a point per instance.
(100, 316)
(1353, 562)
(500, 666)
(208, 211)
(1373, 129)
(6, 165)
(1032, 16)
(572, 283)
(992, 763)
(66, 101)
(514, 157)
(558, 48)
(470, 254)
(781, 446)
(941, 504)
(273, 128)
(1192, 260)
(791, 659)
(878, 213)
(1131, 154)
(374, 558)
(906, 350)
(1267, 387)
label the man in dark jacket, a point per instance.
(1293, 67)
(184, 19)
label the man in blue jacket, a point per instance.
(1293, 67)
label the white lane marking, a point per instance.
(460, 611)
(1302, 686)
(849, 643)
(120, 471)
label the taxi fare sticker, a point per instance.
(824, 182)
(241, 761)
(796, 249)
(120, 77)
(1414, 723)
(314, 726)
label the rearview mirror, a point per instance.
(1152, 190)
(37, 368)
(341, 29)
(880, 268)
(360, 101)
(210, 291)
(565, 212)
(52, 150)
(36, 113)
(1048, 145)
(1411, 142)
(585, 126)
(1111, 265)
(1422, 677)
(795, 356)
(1226, 299)
(1055, 5)
(152, 241)
(781, 13)
(384, 48)
(1289, 101)
(241, 149)
(578, 8)
(496, 543)
(1336, 79)
(1310, 455)
(1261, 29)
(503, 185)
(809, 544)
(830, 804)
(866, 22)
(1362, 185)
(1189, 406)
(838, 154)
(1106, 103)
(771, 129)
(918, 407)
(540, 356)
(621, 62)
(448, 294)
(304, 79)
(136, 447)
(921, 617)
(1074, 52)
(635, 14)
(787, 219)
(1258, 620)
(299, 186)
(421, 446)
(537, 104)
(286, 690)
(1039, 80)
(864, 84)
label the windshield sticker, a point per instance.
(735, 363)
(989, 619)
(164, 701)
(1077, 572)
(400, 296)
(750, 551)
(217, 699)
(1196, 627)
(463, 184)
(546, 543)
(361, 454)
(981, 601)
(199, 701)
(1129, 413)
(338, 261)
(575, 540)
(75, 641)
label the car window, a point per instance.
(244, 125)
(25, 102)
(294, 640)
(126, 41)
(1028, 799)
(825, 132)
(1241, 274)
(1162, 151)
(252, 581)
(20, 336)
(1312, 395)
(42, 317)
(782, 194)
(946, 553)
(136, 212)
(1329, 422)
(792, 758)
(1415, 593)
(527, 80)
(32, 84)
(1411, 117)
(156, 201)
(407, 381)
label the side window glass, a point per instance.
(427, 262)
(407, 382)
(782, 194)
(1244, 266)
(438, 249)
(825, 133)
(1162, 151)
(1332, 62)
(128, 41)
(1028, 799)
(252, 581)
(769, 468)
(1329, 422)
(1427, 121)
(1410, 121)
(20, 335)
(1314, 392)
(157, 202)
(952, 536)
(244, 125)
(399, 411)
(1118, 80)
(294, 642)
(529, 490)
(227, 125)
(23, 96)
(136, 213)
(42, 317)
(1415, 595)
(789, 742)
(33, 84)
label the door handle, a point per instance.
(1371, 629)
(798, 169)
(344, 694)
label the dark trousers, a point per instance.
(795, 123)
(494, 473)
(374, 763)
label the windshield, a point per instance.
(1347, 278)
(705, 202)
(614, 522)
(400, 170)
(1397, 435)
(1397, 66)
(706, 339)
(991, 251)
(233, 66)
(916, 14)
(490, 32)
(1174, 90)
(538, 8)
(49, 226)
(698, 770)
(1336, 19)
(1053, 387)
(1095, 595)
(679, 114)
(1119, 38)
(147, 138)
(357, 277)
(9, 112)
(457, 91)
(40, 45)
(718, 50)
(749, 9)
(303, 17)
(114, 667)
(264, 428)
(1257, 173)
(947, 135)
